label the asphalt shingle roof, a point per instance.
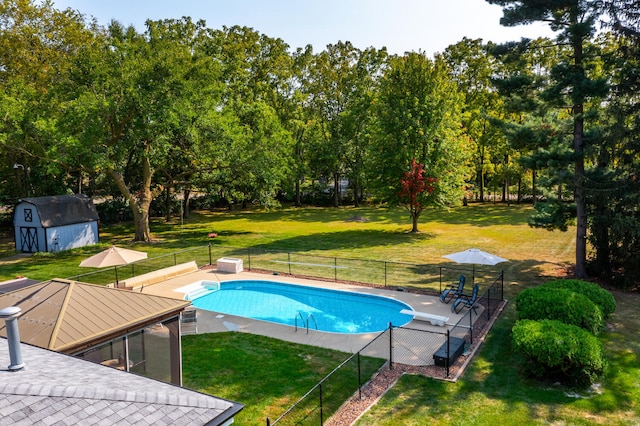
(54, 388)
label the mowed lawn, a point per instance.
(492, 391)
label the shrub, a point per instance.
(558, 351)
(543, 302)
(114, 211)
(598, 295)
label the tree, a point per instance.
(416, 189)
(38, 45)
(570, 87)
(418, 114)
(340, 89)
(133, 93)
(472, 67)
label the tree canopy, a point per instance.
(235, 118)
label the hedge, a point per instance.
(557, 351)
(544, 302)
(598, 295)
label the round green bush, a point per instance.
(556, 351)
(540, 303)
(598, 295)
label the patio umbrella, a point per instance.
(475, 257)
(113, 256)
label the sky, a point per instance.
(401, 26)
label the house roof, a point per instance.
(68, 316)
(59, 210)
(54, 388)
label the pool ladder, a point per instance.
(305, 321)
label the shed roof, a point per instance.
(59, 210)
(60, 389)
(68, 316)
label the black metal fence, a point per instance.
(428, 277)
(328, 395)
(396, 345)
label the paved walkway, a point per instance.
(211, 322)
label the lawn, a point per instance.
(491, 390)
(267, 375)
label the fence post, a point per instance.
(175, 259)
(448, 343)
(470, 325)
(210, 261)
(390, 346)
(321, 419)
(359, 379)
(289, 261)
(249, 257)
(268, 422)
(335, 269)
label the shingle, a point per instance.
(67, 390)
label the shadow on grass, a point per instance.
(327, 241)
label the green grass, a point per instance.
(532, 253)
(491, 391)
(267, 375)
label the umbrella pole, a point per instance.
(115, 268)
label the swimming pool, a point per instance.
(323, 309)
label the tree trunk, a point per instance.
(139, 205)
(481, 176)
(298, 201)
(533, 186)
(356, 195)
(578, 146)
(336, 190)
(186, 211)
(414, 220)
(167, 204)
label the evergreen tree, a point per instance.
(570, 88)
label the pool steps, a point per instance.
(198, 289)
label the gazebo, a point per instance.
(130, 331)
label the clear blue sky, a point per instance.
(400, 25)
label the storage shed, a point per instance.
(55, 223)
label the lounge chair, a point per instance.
(465, 300)
(453, 291)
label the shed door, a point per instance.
(28, 239)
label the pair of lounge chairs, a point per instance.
(461, 300)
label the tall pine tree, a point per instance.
(571, 88)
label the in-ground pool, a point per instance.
(323, 309)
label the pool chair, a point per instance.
(464, 300)
(189, 322)
(453, 291)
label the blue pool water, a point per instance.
(330, 310)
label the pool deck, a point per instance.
(212, 322)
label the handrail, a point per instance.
(301, 319)
(310, 316)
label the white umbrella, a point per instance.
(113, 256)
(475, 257)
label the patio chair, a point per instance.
(189, 322)
(465, 300)
(453, 291)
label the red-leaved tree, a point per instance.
(416, 187)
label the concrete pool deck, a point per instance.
(212, 322)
